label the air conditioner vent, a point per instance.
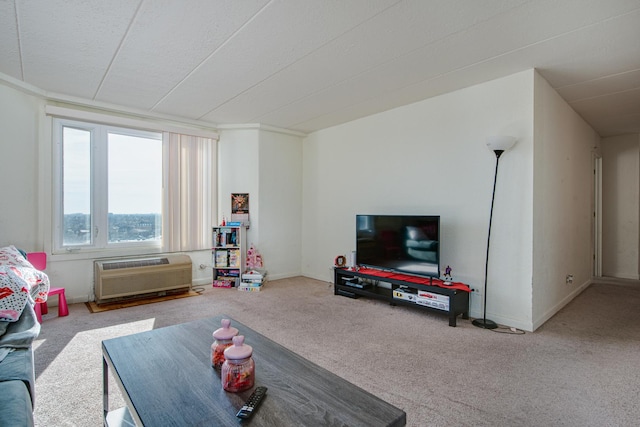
(134, 263)
(122, 279)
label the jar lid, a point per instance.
(239, 350)
(226, 332)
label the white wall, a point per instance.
(620, 206)
(20, 120)
(430, 158)
(238, 166)
(280, 179)
(563, 203)
(267, 164)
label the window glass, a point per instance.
(76, 186)
(134, 188)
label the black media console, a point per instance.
(404, 291)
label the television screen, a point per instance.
(403, 243)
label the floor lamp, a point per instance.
(498, 144)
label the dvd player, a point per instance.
(354, 282)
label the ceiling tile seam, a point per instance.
(607, 118)
(299, 59)
(227, 41)
(450, 71)
(608, 76)
(15, 16)
(117, 52)
(619, 92)
(389, 61)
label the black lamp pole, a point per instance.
(484, 322)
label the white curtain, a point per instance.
(190, 186)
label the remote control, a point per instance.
(252, 403)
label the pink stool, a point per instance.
(39, 262)
(63, 309)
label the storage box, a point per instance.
(223, 283)
(430, 299)
(404, 294)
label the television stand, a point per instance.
(425, 293)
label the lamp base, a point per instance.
(484, 323)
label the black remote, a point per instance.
(252, 403)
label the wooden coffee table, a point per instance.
(166, 379)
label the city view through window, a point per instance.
(122, 228)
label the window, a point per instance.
(120, 188)
(111, 186)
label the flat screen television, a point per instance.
(403, 243)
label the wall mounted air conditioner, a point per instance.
(118, 279)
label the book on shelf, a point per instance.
(225, 237)
(254, 275)
(228, 273)
(234, 258)
(251, 282)
(221, 258)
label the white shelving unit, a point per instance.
(229, 254)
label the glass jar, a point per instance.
(222, 339)
(238, 369)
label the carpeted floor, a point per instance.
(579, 369)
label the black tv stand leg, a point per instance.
(452, 320)
(465, 315)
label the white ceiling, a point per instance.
(309, 64)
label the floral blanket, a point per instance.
(20, 284)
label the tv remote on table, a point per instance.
(252, 403)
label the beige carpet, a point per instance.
(580, 369)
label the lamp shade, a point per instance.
(500, 142)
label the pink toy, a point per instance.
(39, 262)
(254, 259)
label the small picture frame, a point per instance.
(239, 203)
(240, 208)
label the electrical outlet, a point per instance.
(569, 279)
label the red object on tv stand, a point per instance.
(414, 279)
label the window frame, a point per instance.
(99, 189)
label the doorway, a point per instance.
(597, 215)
